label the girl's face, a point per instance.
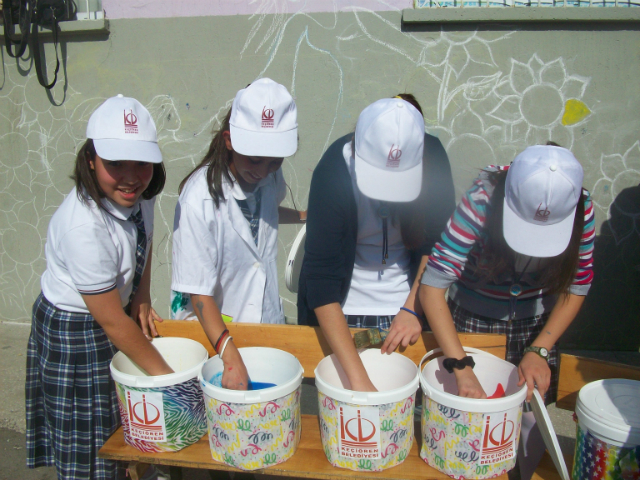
(248, 171)
(122, 181)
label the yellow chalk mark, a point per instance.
(574, 112)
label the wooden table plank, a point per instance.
(308, 344)
(576, 372)
(309, 461)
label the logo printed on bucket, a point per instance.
(359, 432)
(498, 437)
(146, 416)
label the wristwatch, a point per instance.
(543, 352)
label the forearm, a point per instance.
(413, 302)
(562, 315)
(209, 316)
(124, 333)
(143, 294)
(440, 320)
(289, 215)
(336, 331)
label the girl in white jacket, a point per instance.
(226, 222)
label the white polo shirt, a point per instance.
(91, 251)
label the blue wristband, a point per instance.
(411, 311)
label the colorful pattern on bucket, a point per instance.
(452, 440)
(598, 460)
(396, 436)
(183, 414)
(252, 436)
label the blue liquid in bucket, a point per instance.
(217, 381)
(260, 385)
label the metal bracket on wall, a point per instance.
(73, 27)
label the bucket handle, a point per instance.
(438, 350)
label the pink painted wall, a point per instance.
(197, 8)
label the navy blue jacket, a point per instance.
(332, 225)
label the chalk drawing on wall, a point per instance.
(618, 172)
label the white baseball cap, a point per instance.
(264, 120)
(542, 190)
(122, 129)
(388, 151)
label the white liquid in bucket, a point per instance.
(367, 431)
(465, 437)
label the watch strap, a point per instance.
(538, 351)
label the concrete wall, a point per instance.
(487, 92)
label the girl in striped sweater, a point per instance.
(516, 257)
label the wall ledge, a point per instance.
(73, 27)
(520, 14)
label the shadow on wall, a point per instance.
(610, 316)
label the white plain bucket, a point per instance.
(348, 417)
(162, 413)
(256, 428)
(608, 429)
(476, 428)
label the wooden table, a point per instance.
(309, 461)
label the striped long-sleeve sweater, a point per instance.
(454, 259)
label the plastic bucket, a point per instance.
(256, 428)
(162, 413)
(608, 431)
(367, 431)
(466, 437)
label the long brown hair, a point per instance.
(408, 214)
(87, 183)
(498, 258)
(217, 161)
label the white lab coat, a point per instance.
(214, 252)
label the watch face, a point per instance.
(544, 352)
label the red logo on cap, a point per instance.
(393, 159)
(542, 215)
(267, 117)
(130, 122)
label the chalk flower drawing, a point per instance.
(541, 101)
(618, 172)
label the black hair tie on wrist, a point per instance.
(450, 363)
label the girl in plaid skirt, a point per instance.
(96, 283)
(516, 257)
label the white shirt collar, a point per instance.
(236, 189)
(118, 211)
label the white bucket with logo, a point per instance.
(162, 413)
(251, 429)
(608, 431)
(367, 431)
(467, 437)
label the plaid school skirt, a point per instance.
(71, 402)
(520, 334)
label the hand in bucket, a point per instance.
(468, 384)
